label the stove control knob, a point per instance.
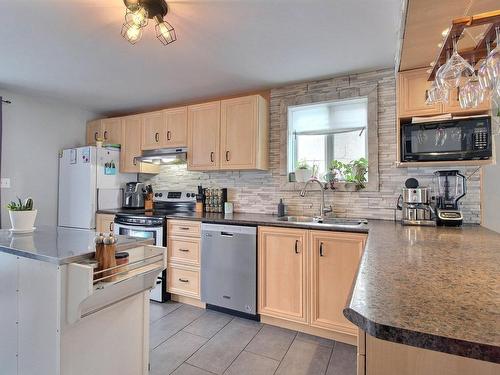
(156, 194)
(160, 195)
(188, 195)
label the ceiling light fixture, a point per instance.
(137, 15)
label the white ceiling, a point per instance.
(72, 49)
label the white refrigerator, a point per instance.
(89, 180)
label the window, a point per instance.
(322, 132)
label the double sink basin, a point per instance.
(324, 222)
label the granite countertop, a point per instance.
(431, 287)
(57, 245)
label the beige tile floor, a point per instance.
(187, 340)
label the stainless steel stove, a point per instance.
(152, 224)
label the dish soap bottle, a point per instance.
(281, 208)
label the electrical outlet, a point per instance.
(5, 183)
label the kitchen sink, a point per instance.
(328, 221)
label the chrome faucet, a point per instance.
(322, 210)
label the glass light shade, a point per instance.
(138, 17)
(132, 33)
(164, 31)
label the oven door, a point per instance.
(159, 292)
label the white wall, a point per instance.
(34, 130)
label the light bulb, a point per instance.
(133, 33)
(164, 30)
(139, 16)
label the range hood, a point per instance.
(163, 156)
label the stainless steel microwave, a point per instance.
(463, 139)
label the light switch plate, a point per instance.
(5, 183)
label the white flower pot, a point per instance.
(22, 220)
(302, 175)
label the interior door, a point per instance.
(176, 119)
(239, 127)
(203, 136)
(335, 258)
(282, 273)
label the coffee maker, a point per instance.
(450, 188)
(414, 204)
(134, 195)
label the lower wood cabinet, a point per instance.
(305, 276)
(104, 223)
(183, 258)
(388, 358)
(335, 258)
(282, 273)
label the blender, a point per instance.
(450, 187)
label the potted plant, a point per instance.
(303, 171)
(359, 170)
(22, 215)
(334, 173)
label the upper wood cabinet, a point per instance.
(109, 130)
(131, 147)
(412, 93)
(453, 105)
(282, 273)
(176, 127)
(94, 131)
(244, 134)
(153, 130)
(334, 261)
(203, 136)
(166, 128)
(112, 130)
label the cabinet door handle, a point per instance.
(184, 250)
(458, 94)
(212, 157)
(168, 135)
(321, 249)
(227, 155)
(111, 226)
(297, 251)
(134, 162)
(106, 135)
(95, 136)
(183, 280)
(157, 137)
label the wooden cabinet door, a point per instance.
(239, 132)
(453, 105)
(282, 273)
(104, 223)
(176, 134)
(203, 136)
(131, 147)
(94, 131)
(412, 91)
(153, 130)
(112, 130)
(335, 258)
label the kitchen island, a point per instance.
(56, 319)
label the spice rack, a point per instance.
(89, 292)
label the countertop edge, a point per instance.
(422, 340)
(30, 255)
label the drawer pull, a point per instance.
(183, 280)
(184, 250)
(184, 228)
(297, 251)
(321, 249)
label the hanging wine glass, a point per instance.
(470, 95)
(456, 67)
(440, 79)
(483, 75)
(493, 61)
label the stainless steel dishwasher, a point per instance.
(229, 268)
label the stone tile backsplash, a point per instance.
(260, 191)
